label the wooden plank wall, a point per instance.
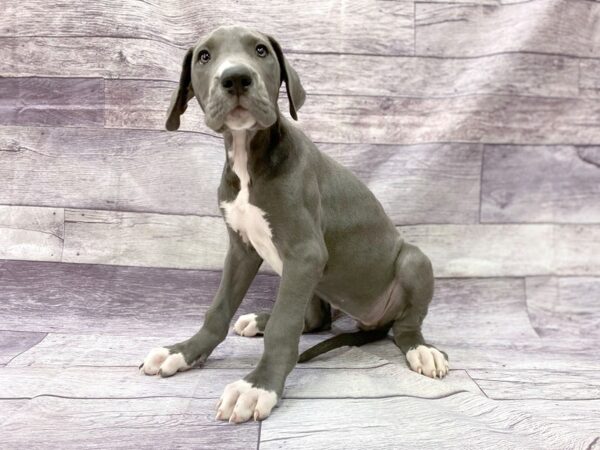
(475, 123)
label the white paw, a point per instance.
(240, 402)
(428, 361)
(246, 326)
(160, 361)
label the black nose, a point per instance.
(236, 80)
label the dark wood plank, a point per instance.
(562, 308)
(64, 167)
(13, 343)
(323, 74)
(127, 423)
(388, 120)
(532, 384)
(541, 184)
(449, 29)
(108, 299)
(52, 101)
(343, 27)
(31, 233)
(390, 423)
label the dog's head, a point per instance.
(235, 74)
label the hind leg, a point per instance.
(414, 272)
(316, 318)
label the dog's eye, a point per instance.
(204, 56)
(261, 50)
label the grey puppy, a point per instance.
(315, 223)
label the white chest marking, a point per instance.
(247, 219)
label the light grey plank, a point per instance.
(541, 184)
(533, 26)
(143, 239)
(584, 413)
(345, 74)
(532, 384)
(125, 170)
(13, 343)
(343, 27)
(48, 422)
(107, 299)
(565, 307)
(441, 423)
(388, 120)
(9, 408)
(110, 169)
(589, 78)
(31, 233)
(52, 101)
(122, 383)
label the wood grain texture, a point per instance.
(589, 78)
(31, 233)
(52, 101)
(377, 423)
(565, 307)
(125, 170)
(13, 343)
(129, 423)
(387, 120)
(119, 300)
(541, 184)
(540, 26)
(531, 384)
(323, 74)
(343, 27)
(110, 169)
(108, 237)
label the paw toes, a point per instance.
(247, 326)
(428, 361)
(160, 361)
(240, 402)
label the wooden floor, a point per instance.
(73, 335)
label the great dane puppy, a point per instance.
(315, 223)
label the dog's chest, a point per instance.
(247, 219)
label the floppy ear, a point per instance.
(182, 94)
(295, 91)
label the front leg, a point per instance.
(241, 265)
(256, 394)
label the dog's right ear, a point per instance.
(182, 94)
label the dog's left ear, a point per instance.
(182, 95)
(295, 91)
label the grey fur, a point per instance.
(337, 245)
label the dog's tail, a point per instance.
(355, 339)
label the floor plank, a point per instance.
(540, 184)
(13, 343)
(31, 233)
(534, 384)
(469, 30)
(508, 119)
(408, 422)
(589, 81)
(344, 26)
(52, 101)
(48, 422)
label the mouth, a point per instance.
(239, 118)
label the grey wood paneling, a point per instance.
(531, 384)
(128, 423)
(13, 343)
(563, 27)
(388, 120)
(31, 233)
(178, 173)
(565, 307)
(379, 423)
(181, 22)
(323, 74)
(119, 300)
(52, 101)
(541, 184)
(110, 169)
(144, 239)
(589, 78)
